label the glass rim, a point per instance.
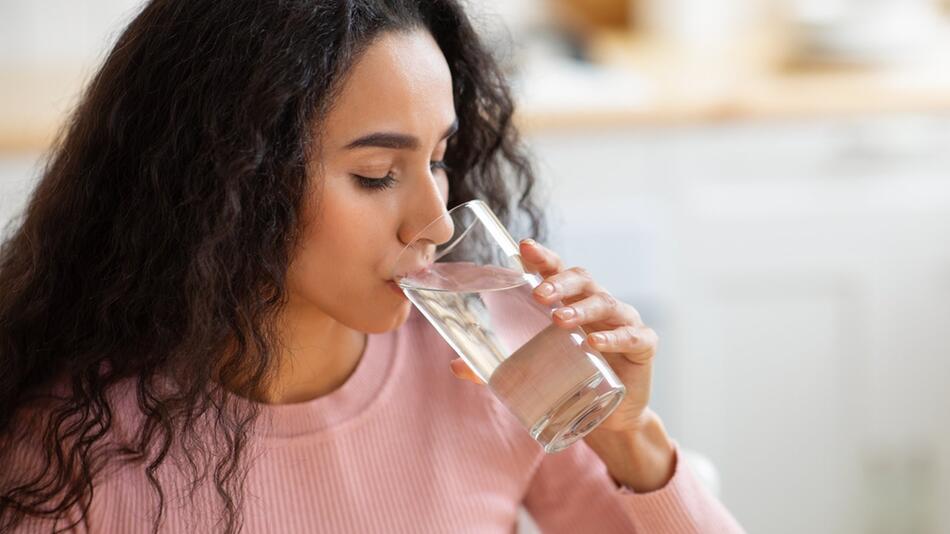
(451, 245)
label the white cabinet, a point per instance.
(799, 277)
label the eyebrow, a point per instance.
(396, 140)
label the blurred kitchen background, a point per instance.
(767, 181)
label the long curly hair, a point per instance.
(154, 248)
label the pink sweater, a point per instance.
(405, 447)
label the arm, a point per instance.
(642, 458)
(625, 476)
(573, 491)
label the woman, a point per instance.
(196, 329)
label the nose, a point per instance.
(426, 215)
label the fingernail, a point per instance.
(599, 338)
(530, 242)
(545, 289)
(565, 313)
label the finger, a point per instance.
(461, 370)
(637, 343)
(566, 284)
(539, 258)
(599, 307)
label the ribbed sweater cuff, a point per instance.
(682, 506)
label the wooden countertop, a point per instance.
(750, 82)
(687, 87)
(34, 103)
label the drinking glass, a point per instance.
(474, 289)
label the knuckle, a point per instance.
(651, 334)
(609, 301)
(636, 315)
(648, 337)
(580, 271)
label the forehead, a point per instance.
(401, 83)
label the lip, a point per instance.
(395, 287)
(419, 269)
(412, 265)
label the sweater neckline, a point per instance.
(361, 391)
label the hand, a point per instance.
(628, 345)
(632, 442)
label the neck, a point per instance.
(317, 354)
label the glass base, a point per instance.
(579, 414)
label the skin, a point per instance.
(338, 279)
(632, 442)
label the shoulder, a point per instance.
(55, 418)
(55, 441)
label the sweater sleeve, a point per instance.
(572, 491)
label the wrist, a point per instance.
(641, 458)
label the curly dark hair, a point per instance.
(155, 245)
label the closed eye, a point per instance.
(389, 180)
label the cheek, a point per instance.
(340, 254)
(341, 270)
(335, 250)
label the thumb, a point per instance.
(461, 370)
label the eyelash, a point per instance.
(388, 181)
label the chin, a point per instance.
(403, 313)
(386, 319)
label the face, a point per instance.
(377, 182)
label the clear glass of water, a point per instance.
(476, 292)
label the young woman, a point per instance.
(197, 332)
